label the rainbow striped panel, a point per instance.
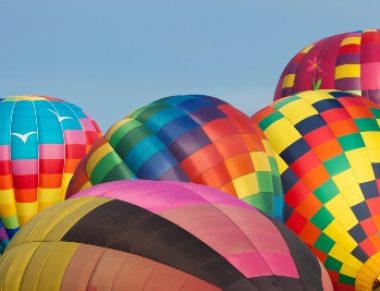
(348, 61)
(157, 235)
(327, 146)
(191, 138)
(42, 140)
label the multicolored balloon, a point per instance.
(188, 138)
(149, 235)
(327, 144)
(348, 61)
(42, 140)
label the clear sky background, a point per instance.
(112, 56)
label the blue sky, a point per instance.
(111, 57)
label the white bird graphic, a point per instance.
(60, 118)
(24, 137)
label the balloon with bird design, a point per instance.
(42, 139)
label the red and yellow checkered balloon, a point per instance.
(327, 144)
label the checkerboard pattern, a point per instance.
(42, 140)
(327, 145)
(348, 61)
(191, 138)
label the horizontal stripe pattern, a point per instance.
(41, 142)
(348, 61)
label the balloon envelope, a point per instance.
(42, 140)
(347, 61)
(327, 144)
(149, 235)
(188, 138)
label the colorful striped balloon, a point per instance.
(147, 235)
(327, 144)
(348, 61)
(42, 140)
(188, 138)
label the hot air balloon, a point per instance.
(42, 140)
(329, 160)
(188, 138)
(157, 235)
(348, 61)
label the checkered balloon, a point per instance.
(191, 138)
(327, 144)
